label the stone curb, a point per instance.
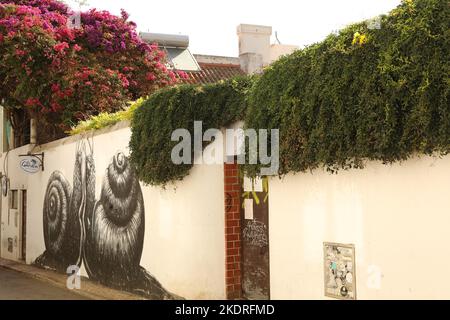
(89, 289)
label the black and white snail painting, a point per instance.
(63, 210)
(106, 235)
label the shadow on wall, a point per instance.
(105, 235)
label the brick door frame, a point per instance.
(233, 232)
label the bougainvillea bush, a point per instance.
(59, 72)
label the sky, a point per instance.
(211, 24)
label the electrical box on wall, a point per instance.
(339, 271)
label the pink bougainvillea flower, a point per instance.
(150, 77)
(29, 102)
(55, 87)
(85, 75)
(60, 47)
(161, 54)
(68, 92)
(172, 76)
(160, 66)
(61, 94)
(124, 14)
(55, 106)
(125, 82)
(65, 33)
(183, 75)
(20, 53)
(32, 102)
(105, 62)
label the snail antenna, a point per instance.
(82, 146)
(90, 141)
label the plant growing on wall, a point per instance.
(60, 73)
(363, 94)
(217, 105)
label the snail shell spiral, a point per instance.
(115, 230)
(56, 212)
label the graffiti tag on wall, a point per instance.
(255, 233)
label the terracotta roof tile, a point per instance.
(213, 72)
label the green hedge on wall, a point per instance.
(362, 94)
(378, 94)
(216, 105)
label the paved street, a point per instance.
(18, 286)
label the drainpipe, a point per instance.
(33, 132)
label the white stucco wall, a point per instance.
(11, 219)
(184, 225)
(279, 50)
(398, 218)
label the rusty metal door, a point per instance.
(255, 241)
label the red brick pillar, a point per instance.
(232, 231)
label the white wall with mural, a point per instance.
(397, 217)
(87, 208)
(10, 224)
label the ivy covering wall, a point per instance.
(362, 94)
(216, 105)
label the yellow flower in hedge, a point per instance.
(362, 39)
(359, 39)
(355, 38)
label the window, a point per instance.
(14, 199)
(13, 203)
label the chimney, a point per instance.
(254, 47)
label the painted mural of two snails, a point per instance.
(106, 234)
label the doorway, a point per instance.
(255, 239)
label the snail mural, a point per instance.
(106, 236)
(63, 211)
